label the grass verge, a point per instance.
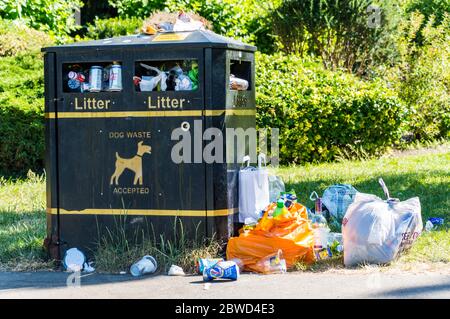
(23, 224)
(425, 174)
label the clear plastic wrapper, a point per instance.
(238, 84)
(272, 264)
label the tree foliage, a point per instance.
(53, 16)
(349, 34)
(423, 76)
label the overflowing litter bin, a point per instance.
(115, 113)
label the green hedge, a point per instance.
(320, 113)
(21, 113)
(108, 28)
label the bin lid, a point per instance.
(186, 39)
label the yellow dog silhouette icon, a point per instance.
(134, 164)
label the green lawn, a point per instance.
(22, 223)
(427, 175)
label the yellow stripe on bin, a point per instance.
(144, 212)
(122, 114)
(63, 115)
(229, 112)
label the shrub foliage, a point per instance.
(21, 113)
(320, 112)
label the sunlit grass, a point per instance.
(22, 223)
(426, 175)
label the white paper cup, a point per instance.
(146, 265)
(146, 85)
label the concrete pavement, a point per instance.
(350, 284)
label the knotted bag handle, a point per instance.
(385, 189)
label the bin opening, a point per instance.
(92, 77)
(241, 70)
(168, 75)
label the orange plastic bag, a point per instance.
(292, 233)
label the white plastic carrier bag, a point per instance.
(253, 189)
(377, 231)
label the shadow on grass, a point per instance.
(21, 239)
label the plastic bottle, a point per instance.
(281, 209)
(272, 264)
(321, 231)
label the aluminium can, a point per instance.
(95, 78)
(115, 78)
(222, 269)
(203, 263)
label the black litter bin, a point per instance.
(110, 135)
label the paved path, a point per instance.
(357, 284)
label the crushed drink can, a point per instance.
(73, 84)
(76, 76)
(95, 78)
(222, 269)
(203, 263)
(72, 75)
(81, 77)
(115, 78)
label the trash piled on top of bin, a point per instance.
(161, 22)
(182, 75)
